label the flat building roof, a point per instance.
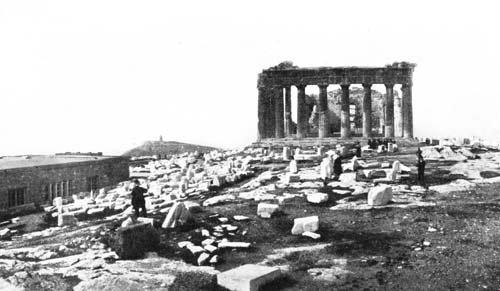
(27, 161)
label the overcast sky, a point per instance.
(107, 75)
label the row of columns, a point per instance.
(398, 113)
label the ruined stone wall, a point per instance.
(109, 171)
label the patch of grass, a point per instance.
(302, 261)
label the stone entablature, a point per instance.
(274, 110)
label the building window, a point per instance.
(46, 192)
(92, 183)
(16, 196)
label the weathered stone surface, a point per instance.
(178, 215)
(247, 277)
(379, 195)
(134, 241)
(301, 225)
(317, 197)
(267, 210)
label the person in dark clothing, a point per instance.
(138, 201)
(337, 166)
(358, 150)
(421, 168)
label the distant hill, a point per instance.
(156, 147)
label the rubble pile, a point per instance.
(183, 188)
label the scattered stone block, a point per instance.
(214, 259)
(247, 277)
(5, 233)
(312, 235)
(203, 258)
(219, 181)
(177, 215)
(301, 225)
(132, 242)
(146, 220)
(267, 210)
(348, 178)
(66, 219)
(219, 199)
(230, 244)
(97, 210)
(379, 195)
(341, 192)
(293, 167)
(128, 222)
(317, 197)
(240, 218)
(184, 244)
(210, 248)
(194, 249)
(192, 207)
(207, 241)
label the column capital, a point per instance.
(323, 85)
(367, 85)
(389, 85)
(345, 86)
(301, 86)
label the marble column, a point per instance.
(278, 113)
(261, 114)
(288, 111)
(271, 104)
(367, 111)
(323, 125)
(407, 111)
(398, 117)
(389, 110)
(345, 123)
(302, 122)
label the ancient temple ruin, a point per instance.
(275, 106)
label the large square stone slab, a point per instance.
(247, 277)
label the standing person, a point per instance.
(358, 149)
(293, 166)
(337, 166)
(138, 201)
(420, 167)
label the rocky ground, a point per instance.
(440, 238)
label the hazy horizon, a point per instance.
(108, 75)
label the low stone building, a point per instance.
(38, 179)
